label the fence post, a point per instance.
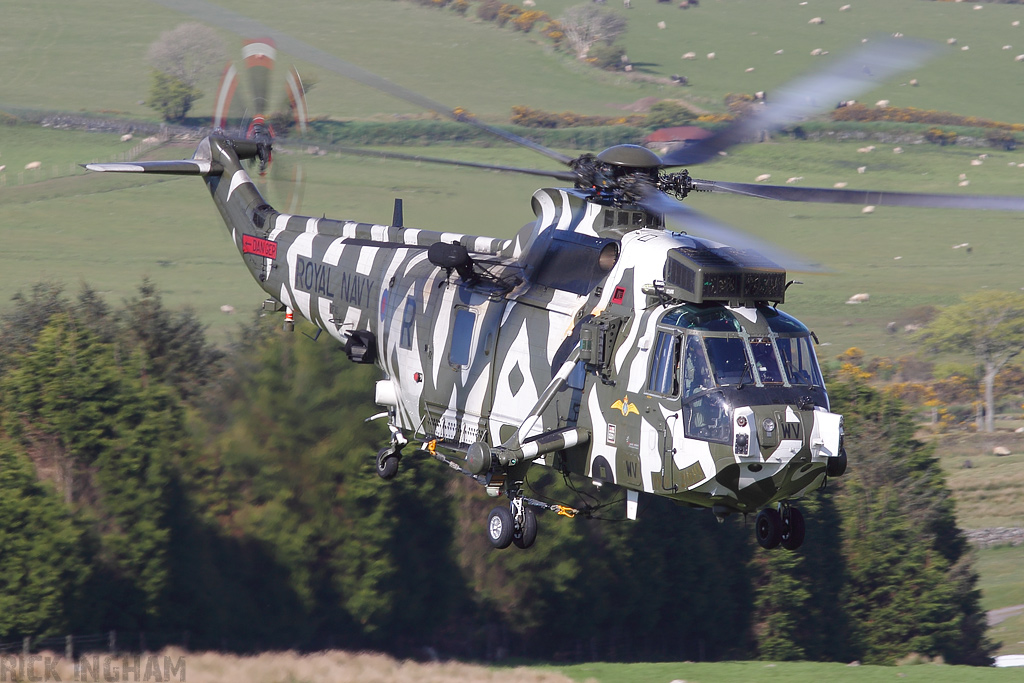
(112, 642)
(69, 648)
(26, 645)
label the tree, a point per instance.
(181, 59)
(988, 326)
(586, 25)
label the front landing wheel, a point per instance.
(387, 463)
(500, 527)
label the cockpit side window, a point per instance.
(798, 359)
(664, 378)
(696, 373)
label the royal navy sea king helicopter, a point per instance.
(603, 340)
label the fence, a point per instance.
(41, 172)
(111, 642)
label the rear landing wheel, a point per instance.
(526, 531)
(500, 527)
(793, 529)
(768, 528)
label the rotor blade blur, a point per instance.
(848, 77)
(560, 175)
(701, 225)
(823, 195)
(237, 23)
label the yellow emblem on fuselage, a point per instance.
(626, 407)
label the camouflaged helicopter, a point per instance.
(601, 341)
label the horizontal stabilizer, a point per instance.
(199, 167)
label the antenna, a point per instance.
(397, 219)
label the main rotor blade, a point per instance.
(560, 175)
(701, 225)
(866, 68)
(237, 23)
(823, 195)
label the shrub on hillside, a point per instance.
(488, 10)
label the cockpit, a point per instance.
(712, 358)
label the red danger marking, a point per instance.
(260, 247)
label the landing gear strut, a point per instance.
(387, 458)
(515, 524)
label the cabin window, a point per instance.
(462, 337)
(664, 377)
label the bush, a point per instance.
(667, 114)
(607, 56)
(940, 137)
(488, 10)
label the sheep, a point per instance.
(913, 82)
(844, 8)
(965, 48)
(778, 52)
(763, 177)
(126, 137)
(2, 168)
(840, 185)
(748, 70)
(794, 179)
(961, 246)
(882, 104)
(816, 21)
(897, 35)
(711, 55)
(860, 298)
(976, 162)
(817, 52)
(865, 150)
(963, 176)
(690, 55)
(529, 3)
(33, 165)
(964, 183)
(1019, 58)
(862, 169)
(868, 209)
(897, 150)
(662, 25)
(228, 308)
(1007, 47)
(951, 41)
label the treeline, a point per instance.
(151, 482)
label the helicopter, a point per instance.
(602, 341)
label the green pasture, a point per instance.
(788, 672)
(92, 56)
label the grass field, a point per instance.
(789, 672)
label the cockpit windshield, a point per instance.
(721, 349)
(729, 361)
